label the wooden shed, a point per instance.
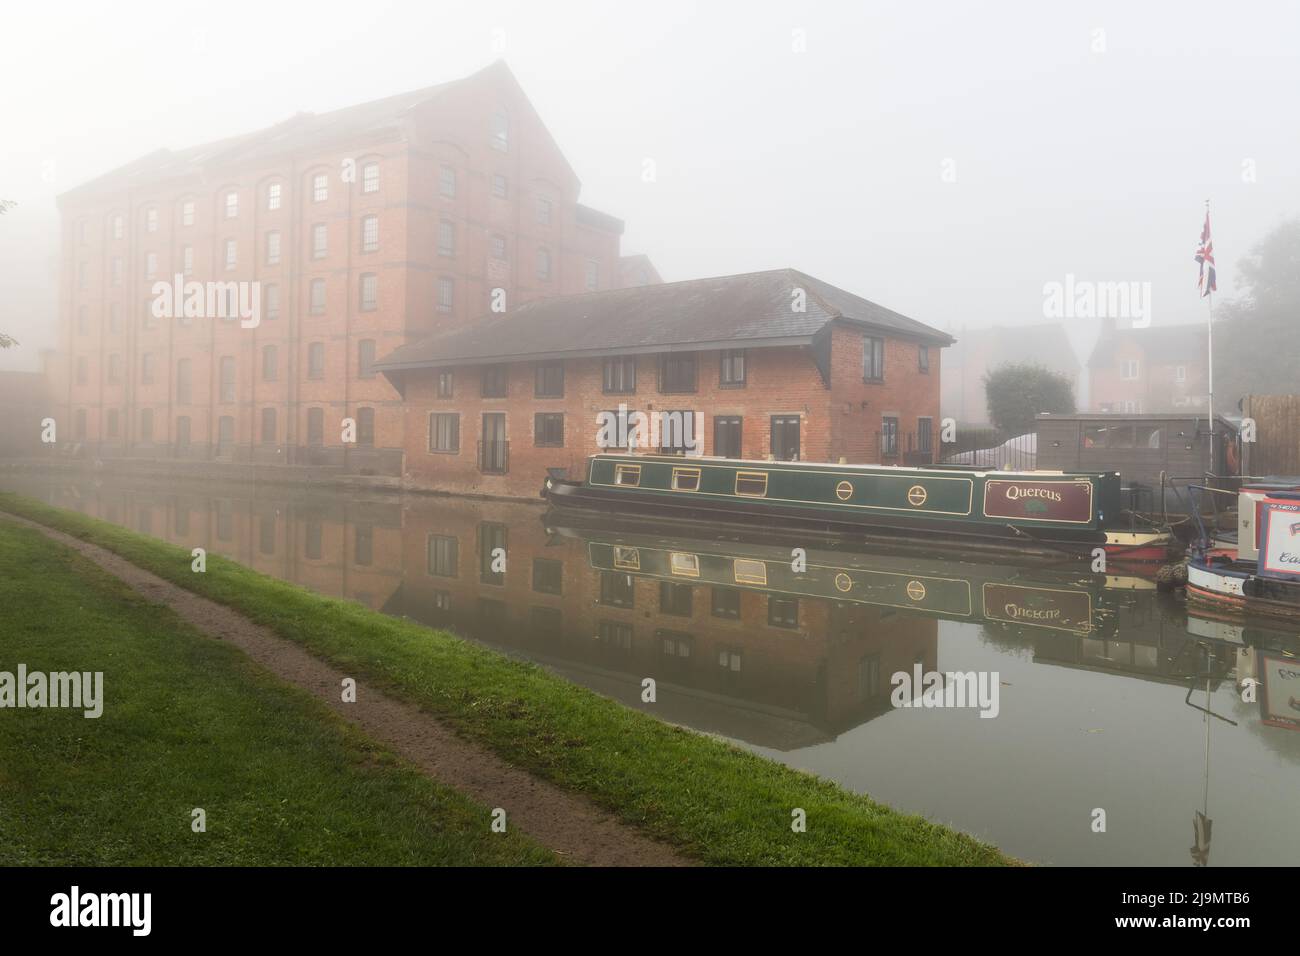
(1140, 447)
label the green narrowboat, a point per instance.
(1052, 512)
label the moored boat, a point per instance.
(1263, 577)
(1020, 512)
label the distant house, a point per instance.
(1143, 371)
(637, 270)
(979, 351)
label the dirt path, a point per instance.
(571, 826)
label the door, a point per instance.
(785, 437)
(493, 450)
(727, 436)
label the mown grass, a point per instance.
(715, 801)
(190, 722)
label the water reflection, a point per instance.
(1113, 697)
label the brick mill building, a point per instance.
(367, 228)
(776, 363)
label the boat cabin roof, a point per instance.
(822, 465)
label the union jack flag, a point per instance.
(1205, 256)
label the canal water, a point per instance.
(1102, 684)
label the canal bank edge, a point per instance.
(714, 801)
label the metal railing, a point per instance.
(494, 457)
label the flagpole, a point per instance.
(1209, 368)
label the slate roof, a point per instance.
(752, 310)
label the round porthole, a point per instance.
(916, 590)
(844, 491)
(916, 495)
(843, 582)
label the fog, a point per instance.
(944, 159)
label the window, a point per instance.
(1128, 369)
(269, 363)
(889, 437)
(272, 248)
(268, 425)
(315, 427)
(112, 423)
(446, 238)
(146, 369)
(444, 432)
(446, 293)
(751, 484)
(498, 247)
(924, 435)
(273, 197)
(187, 260)
(619, 376)
(369, 233)
(785, 437)
(186, 210)
(544, 264)
(83, 274)
(146, 424)
(675, 644)
(369, 292)
(82, 369)
(725, 603)
(316, 360)
(615, 635)
(616, 589)
(366, 427)
(446, 384)
(494, 381)
(550, 380)
(749, 571)
(442, 556)
(151, 220)
(116, 272)
(548, 575)
(729, 659)
(366, 358)
(370, 178)
(733, 368)
(232, 254)
(1180, 373)
(491, 547)
(183, 432)
(727, 431)
(873, 359)
(232, 205)
(319, 241)
(677, 373)
(869, 676)
(686, 479)
(923, 359)
(227, 378)
(320, 187)
(317, 297)
(548, 429)
(782, 611)
(271, 305)
(183, 381)
(500, 132)
(677, 599)
(629, 559)
(447, 182)
(627, 475)
(150, 265)
(543, 211)
(592, 275)
(500, 186)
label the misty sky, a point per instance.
(830, 160)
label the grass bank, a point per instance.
(715, 801)
(189, 722)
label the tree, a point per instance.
(1018, 392)
(1256, 350)
(6, 340)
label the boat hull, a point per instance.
(1232, 586)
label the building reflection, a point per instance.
(741, 639)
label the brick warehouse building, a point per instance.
(367, 227)
(492, 405)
